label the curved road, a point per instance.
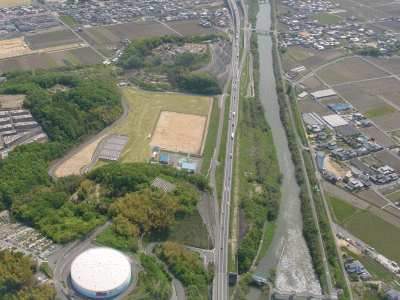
(72, 153)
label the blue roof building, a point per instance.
(320, 160)
(164, 159)
(156, 149)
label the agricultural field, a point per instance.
(351, 69)
(384, 215)
(378, 86)
(312, 83)
(347, 90)
(69, 20)
(344, 196)
(378, 112)
(309, 105)
(391, 65)
(379, 137)
(392, 98)
(31, 62)
(369, 228)
(389, 158)
(298, 55)
(364, 102)
(9, 65)
(325, 18)
(372, 197)
(388, 123)
(86, 55)
(11, 3)
(191, 27)
(52, 39)
(331, 100)
(342, 211)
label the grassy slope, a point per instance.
(211, 137)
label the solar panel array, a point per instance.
(112, 147)
(162, 184)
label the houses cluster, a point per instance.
(26, 18)
(384, 175)
(358, 268)
(113, 12)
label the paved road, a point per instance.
(68, 156)
(221, 252)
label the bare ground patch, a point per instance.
(179, 132)
(11, 101)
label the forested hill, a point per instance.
(69, 106)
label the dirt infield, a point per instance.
(372, 197)
(13, 47)
(11, 101)
(179, 132)
(78, 161)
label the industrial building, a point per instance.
(100, 273)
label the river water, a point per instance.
(288, 252)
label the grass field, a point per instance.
(145, 108)
(69, 20)
(381, 235)
(342, 210)
(211, 137)
(50, 61)
(325, 18)
(394, 197)
(382, 111)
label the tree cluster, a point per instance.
(188, 269)
(17, 279)
(137, 55)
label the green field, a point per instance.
(69, 20)
(378, 233)
(394, 197)
(101, 37)
(325, 18)
(382, 111)
(342, 210)
(145, 108)
(50, 60)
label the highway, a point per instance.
(222, 250)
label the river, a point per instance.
(288, 252)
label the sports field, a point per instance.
(146, 108)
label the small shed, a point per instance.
(156, 149)
(189, 167)
(164, 159)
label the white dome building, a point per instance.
(100, 273)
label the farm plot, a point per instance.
(310, 105)
(364, 102)
(394, 197)
(369, 13)
(393, 98)
(312, 82)
(379, 137)
(102, 35)
(10, 65)
(345, 196)
(389, 158)
(191, 27)
(86, 55)
(372, 197)
(179, 132)
(351, 69)
(379, 86)
(392, 65)
(393, 210)
(331, 100)
(11, 101)
(33, 62)
(59, 57)
(137, 30)
(346, 90)
(369, 228)
(391, 8)
(394, 25)
(388, 123)
(53, 39)
(386, 216)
